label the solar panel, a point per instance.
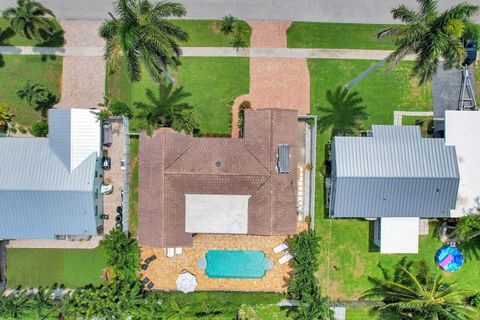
(283, 158)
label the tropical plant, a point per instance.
(5, 117)
(414, 292)
(32, 92)
(30, 19)
(238, 40)
(39, 128)
(122, 254)
(116, 108)
(142, 34)
(15, 305)
(241, 116)
(468, 227)
(43, 303)
(431, 36)
(45, 103)
(304, 284)
(228, 24)
(345, 111)
(168, 110)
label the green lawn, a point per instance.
(15, 70)
(12, 39)
(45, 267)
(361, 313)
(347, 255)
(213, 83)
(206, 33)
(337, 36)
(133, 199)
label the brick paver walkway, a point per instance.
(83, 77)
(274, 82)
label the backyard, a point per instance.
(347, 255)
(46, 267)
(15, 70)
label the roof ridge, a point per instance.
(248, 150)
(270, 137)
(191, 144)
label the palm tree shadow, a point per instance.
(345, 113)
(470, 250)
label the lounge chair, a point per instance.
(178, 250)
(150, 285)
(144, 266)
(150, 259)
(170, 252)
(145, 280)
(287, 257)
(281, 247)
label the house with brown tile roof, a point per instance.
(190, 185)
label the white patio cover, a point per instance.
(186, 282)
(216, 213)
(399, 235)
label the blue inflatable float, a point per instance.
(449, 258)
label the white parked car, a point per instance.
(106, 188)
(122, 165)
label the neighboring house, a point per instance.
(245, 186)
(394, 177)
(50, 186)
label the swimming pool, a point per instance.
(236, 264)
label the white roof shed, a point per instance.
(462, 130)
(397, 235)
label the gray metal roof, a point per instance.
(394, 173)
(39, 195)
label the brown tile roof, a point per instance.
(173, 164)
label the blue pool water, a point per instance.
(235, 264)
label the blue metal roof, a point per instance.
(394, 173)
(40, 197)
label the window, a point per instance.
(60, 237)
(96, 193)
(96, 210)
(96, 173)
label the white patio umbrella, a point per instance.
(186, 282)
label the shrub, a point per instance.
(12, 130)
(39, 129)
(241, 116)
(238, 40)
(228, 24)
(120, 109)
(22, 130)
(309, 167)
(122, 254)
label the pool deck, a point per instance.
(164, 271)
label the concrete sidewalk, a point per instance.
(217, 52)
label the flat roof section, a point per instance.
(462, 130)
(216, 213)
(399, 235)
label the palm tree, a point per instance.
(431, 36)
(468, 227)
(31, 92)
(45, 103)
(345, 111)
(43, 303)
(413, 292)
(5, 118)
(31, 19)
(142, 35)
(168, 110)
(16, 305)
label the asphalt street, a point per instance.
(361, 11)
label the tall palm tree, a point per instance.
(5, 117)
(345, 111)
(413, 292)
(168, 110)
(142, 35)
(31, 19)
(431, 36)
(468, 227)
(31, 92)
(43, 303)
